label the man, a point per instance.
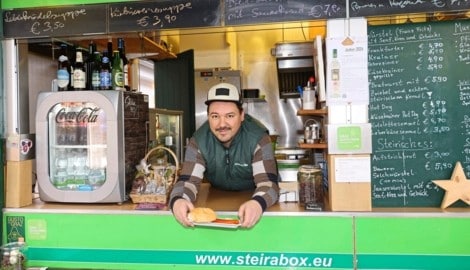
(233, 152)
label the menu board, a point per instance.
(268, 11)
(359, 8)
(135, 16)
(54, 22)
(419, 110)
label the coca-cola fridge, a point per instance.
(88, 144)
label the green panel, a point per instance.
(412, 243)
(9, 4)
(137, 241)
(418, 74)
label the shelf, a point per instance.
(253, 100)
(313, 145)
(136, 46)
(319, 112)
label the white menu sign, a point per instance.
(346, 71)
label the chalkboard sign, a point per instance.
(268, 11)
(380, 7)
(135, 16)
(419, 109)
(53, 22)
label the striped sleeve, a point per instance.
(191, 175)
(265, 174)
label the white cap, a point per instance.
(223, 92)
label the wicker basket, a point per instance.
(156, 187)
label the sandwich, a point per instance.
(202, 214)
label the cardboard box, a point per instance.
(18, 183)
(21, 147)
(349, 184)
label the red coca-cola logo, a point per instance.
(84, 115)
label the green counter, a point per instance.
(154, 240)
(414, 241)
(132, 239)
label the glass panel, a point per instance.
(77, 146)
(168, 127)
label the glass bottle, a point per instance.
(71, 53)
(125, 63)
(79, 72)
(95, 71)
(105, 73)
(63, 70)
(109, 47)
(117, 73)
(89, 64)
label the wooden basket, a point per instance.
(144, 196)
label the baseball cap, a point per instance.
(223, 92)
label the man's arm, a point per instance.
(265, 174)
(191, 175)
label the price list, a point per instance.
(151, 15)
(419, 110)
(52, 22)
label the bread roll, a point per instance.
(202, 214)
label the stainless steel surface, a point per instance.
(287, 63)
(293, 49)
(295, 66)
(279, 116)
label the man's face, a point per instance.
(225, 120)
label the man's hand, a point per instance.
(249, 213)
(181, 208)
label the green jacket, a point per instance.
(230, 168)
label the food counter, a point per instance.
(117, 236)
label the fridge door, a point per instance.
(80, 146)
(166, 129)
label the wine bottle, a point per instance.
(117, 74)
(125, 63)
(89, 63)
(110, 48)
(79, 72)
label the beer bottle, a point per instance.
(117, 74)
(63, 71)
(105, 73)
(79, 73)
(95, 72)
